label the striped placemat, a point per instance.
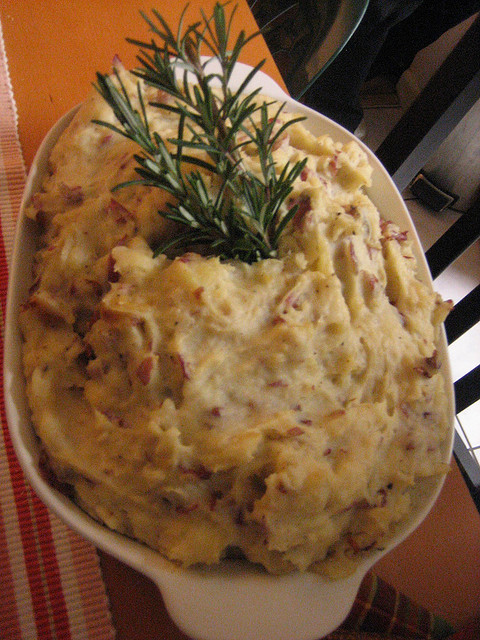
(51, 584)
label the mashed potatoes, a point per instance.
(283, 410)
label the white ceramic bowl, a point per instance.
(235, 600)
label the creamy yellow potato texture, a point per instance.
(284, 411)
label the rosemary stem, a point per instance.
(220, 204)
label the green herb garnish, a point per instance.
(242, 216)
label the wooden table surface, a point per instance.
(54, 48)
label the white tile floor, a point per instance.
(454, 283)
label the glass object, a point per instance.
(304, 36)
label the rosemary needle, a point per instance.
(242, 217)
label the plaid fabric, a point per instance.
(380, 611)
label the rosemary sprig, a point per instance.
(219, 203)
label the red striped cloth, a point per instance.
(51, 584)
